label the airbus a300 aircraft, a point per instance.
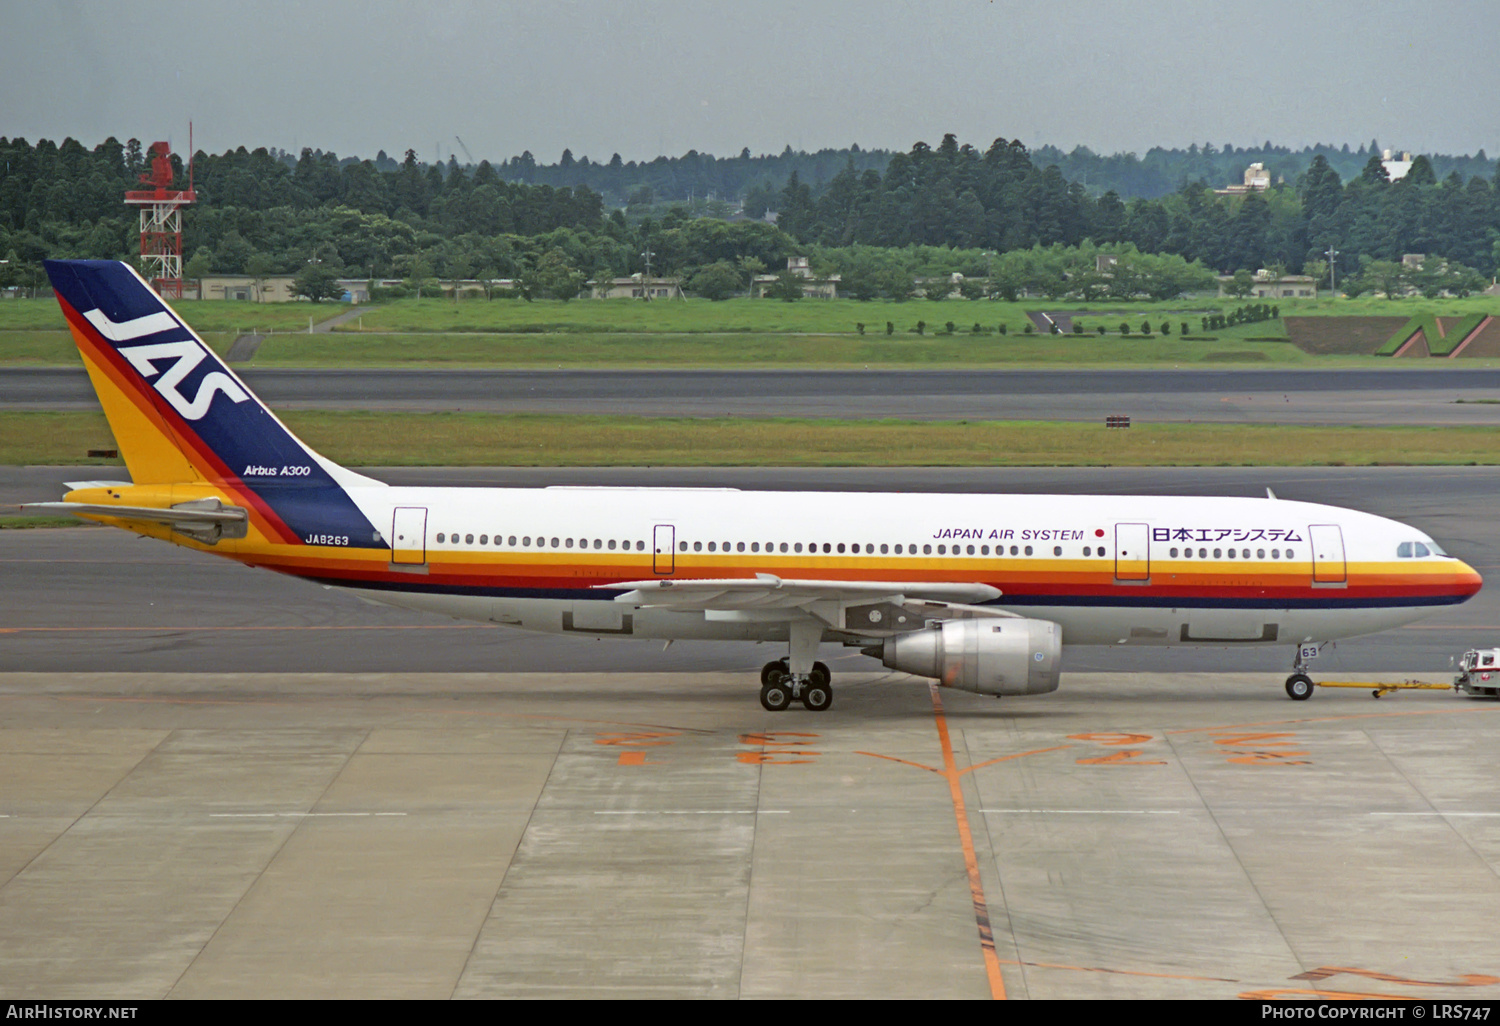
(979, 592)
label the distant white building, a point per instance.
(812, 287)
(1257, 179)
(1397, 169)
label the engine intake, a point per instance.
(991, 657)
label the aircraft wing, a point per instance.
(866, 608)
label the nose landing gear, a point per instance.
(1299, 686)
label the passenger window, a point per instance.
(796, 548)
(969, 549)
(611, 545)
(841, 548)
(739, 547)
(942, 550)
(884, 548)
(898, 550)
(1101, 550)
(710, 546)
(926, 550)
(828, 547)
(1014, 550)
(440, 536)
(512, 541)
(1028, 550)
(697, 546)
(682, 546)
(484, 539)
(783, 547)
(1057, 550)
(984, 550)
(554, 543)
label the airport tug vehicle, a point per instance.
(1479, 673)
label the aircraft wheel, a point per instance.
(821, 674)
(775, 698)
(1299, 686)
(773, 671)
(817, 696)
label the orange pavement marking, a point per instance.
(954, 776)
(1466, 980)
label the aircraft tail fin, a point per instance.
(180, 415)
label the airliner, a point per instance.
(978, 592)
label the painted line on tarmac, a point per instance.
(305, 627)
(1088, 812)
(1442, 814)
(297, 815)
(692, 812)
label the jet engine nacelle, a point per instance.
(992, 657)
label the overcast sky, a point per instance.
(665, 76)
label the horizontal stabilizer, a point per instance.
(185, 514)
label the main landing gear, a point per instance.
(798, 677)
(779, 688)
(1299, 686)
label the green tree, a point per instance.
(787, 287)
(554, 277)
(718, 281)
(317, 282)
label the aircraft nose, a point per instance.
(1466, 579)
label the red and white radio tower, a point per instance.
(161, 222)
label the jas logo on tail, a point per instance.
(185, 355)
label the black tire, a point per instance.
(1299, 687)
(817, 697)
(821, 674)
(775, 698)
(772, 672)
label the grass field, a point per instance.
(215, 315)
(755, 350)
(697, 333)
(461, 439)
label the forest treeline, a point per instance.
(880, 220)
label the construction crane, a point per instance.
(465, 149)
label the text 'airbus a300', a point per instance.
(979, 592)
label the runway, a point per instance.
(1395, 395)
(218, 782)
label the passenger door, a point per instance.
(409, 535)
(1328, 554)
(664, 549)
(1132, 552)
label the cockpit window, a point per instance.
(1416, 550)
